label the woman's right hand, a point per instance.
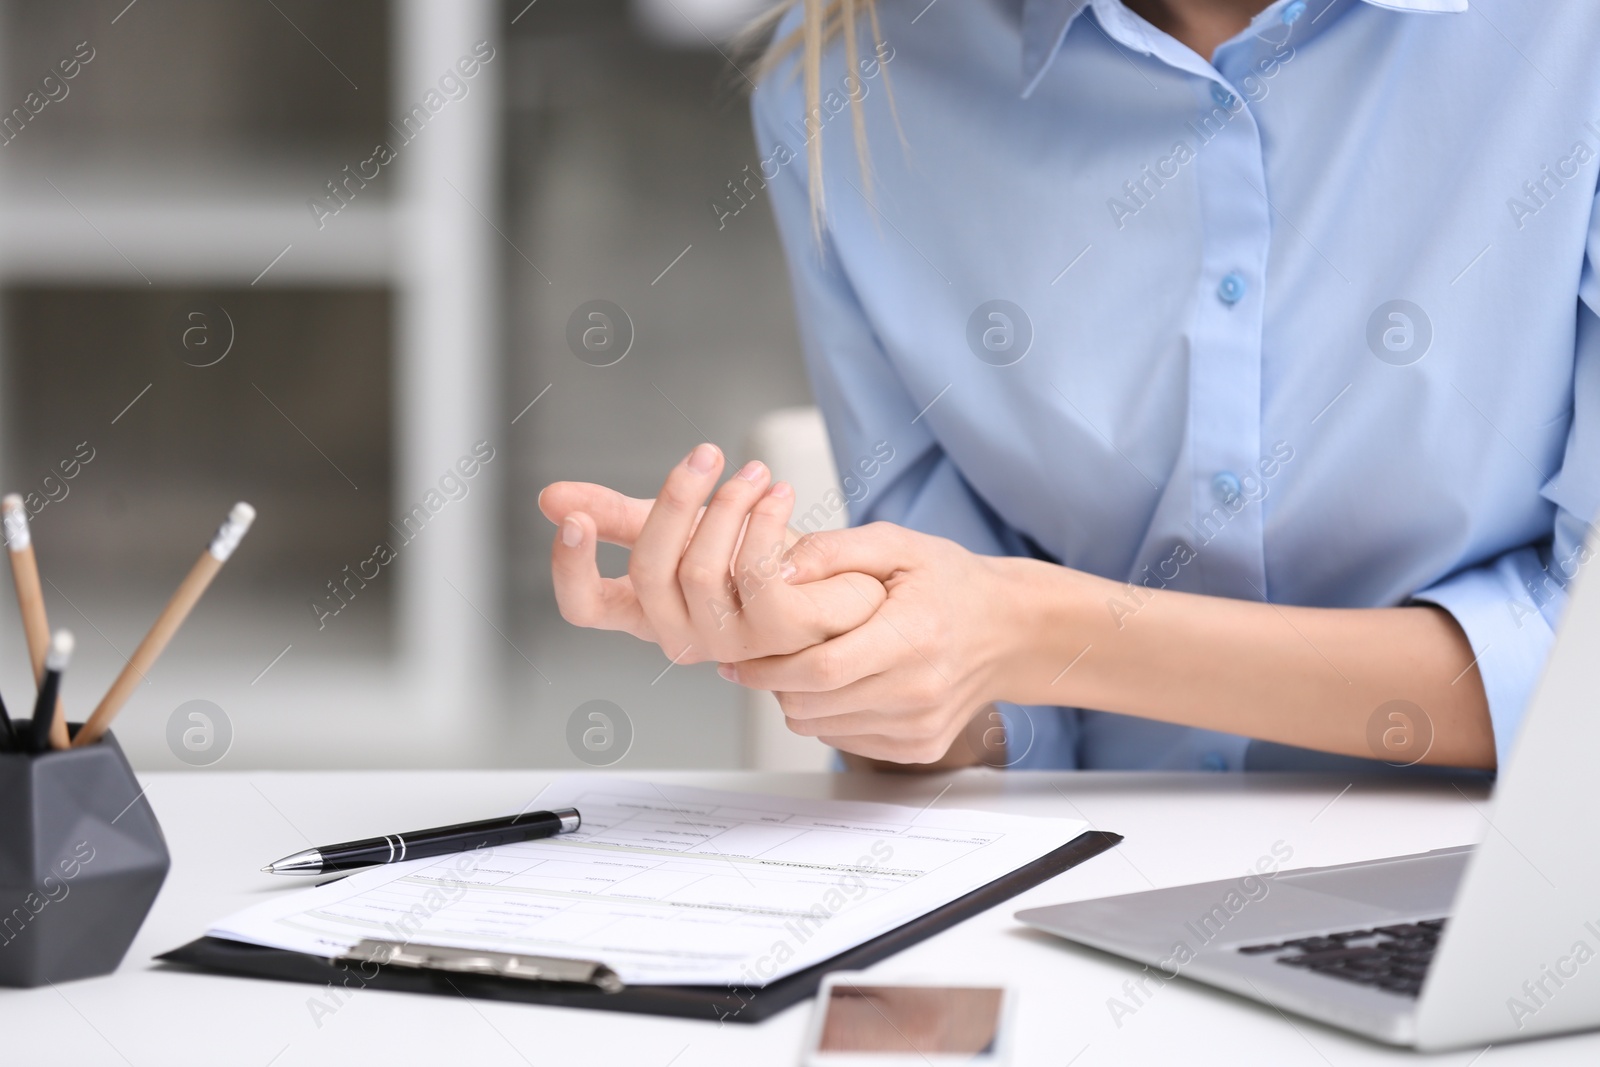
(703, 582)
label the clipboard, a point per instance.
(492, 976)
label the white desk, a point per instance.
(1180, 828)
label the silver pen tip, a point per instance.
(308, 861)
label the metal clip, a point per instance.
(474, 961)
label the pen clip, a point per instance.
(474, 961)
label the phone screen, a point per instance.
(949, 1020)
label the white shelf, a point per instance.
(132, 239)
(74, 217)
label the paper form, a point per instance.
(669, 884)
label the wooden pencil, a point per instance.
(30, 601)
(183, 601)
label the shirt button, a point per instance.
(1221, 95)
(1225, 486)
(1213, 761)
(1293, 11)
(1232, 288)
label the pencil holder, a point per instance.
(81, 861)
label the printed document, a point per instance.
(668, 884)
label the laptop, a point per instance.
(1446, 949)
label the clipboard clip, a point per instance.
(473, 961)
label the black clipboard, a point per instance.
(723, 1003)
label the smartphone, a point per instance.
(869, 1022)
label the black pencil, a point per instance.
(44, 708)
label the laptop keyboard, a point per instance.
(1392, 958)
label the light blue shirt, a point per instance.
(1313, 323)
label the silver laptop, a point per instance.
(1453, 948)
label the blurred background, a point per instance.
(323, 257)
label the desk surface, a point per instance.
(1180, 828)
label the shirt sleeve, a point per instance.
(891, 467)
(874, 424)
(1510, 606)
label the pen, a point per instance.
(30, 600)
(55, 661)
(419, 844)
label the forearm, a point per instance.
(1311, 677)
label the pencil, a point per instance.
(183, 601)
(55, 661)
(30, 601)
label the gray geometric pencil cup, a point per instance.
(80, 862)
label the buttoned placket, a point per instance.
(1221, 526)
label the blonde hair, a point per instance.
(822, 21)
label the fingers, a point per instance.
(872, 723)
(585, 597)
(834, 664)
(653, 565)
(766, 536)
(837, 605)
(694, 568)
(703, 572)
(889, 749)
(871, 706)
(809, 613)
(926, 736)
(878, 549)
(618, 519)
(819, 609)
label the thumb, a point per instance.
(877, 549)
(839, 604)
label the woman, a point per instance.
(1237, 366)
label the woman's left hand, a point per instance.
(903, 685)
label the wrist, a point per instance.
(1051, 617)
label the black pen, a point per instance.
(419, 844)
(44, 708)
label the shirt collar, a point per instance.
(1045, 24)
